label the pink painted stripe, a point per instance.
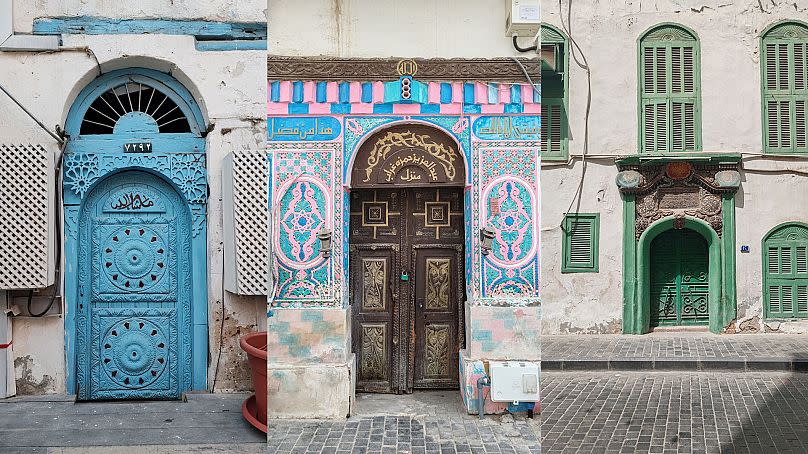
(457, 92)
(355, 95)
(492, 108)
(332, 92)
(527, 94)
(452, 109)
(278, 108)
(406, 108)
(269, 92)
(378, 92)
(480, 93)
(504, 93)
(533, 108)
(319, 108)
(433, 93)
(285, 91)
(309, 92)
(362, 108)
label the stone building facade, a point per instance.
(405, 201)
(677, 179)
(114, 225)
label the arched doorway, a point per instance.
(679, 279)
(406, 263)
(135, 199)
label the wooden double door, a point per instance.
(407, 287)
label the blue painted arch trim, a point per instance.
(156, 79)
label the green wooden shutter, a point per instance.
(669, 91)
(785, 88)
(785, 273)
(553, 128)
(580, 243)
(554, 138)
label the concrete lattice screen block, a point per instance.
(245, 175)
(27, 259)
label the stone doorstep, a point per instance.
(678, 364)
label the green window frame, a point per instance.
(554, 98)
(580, 244)
(669, 108)
(784, 87)
(785, 272)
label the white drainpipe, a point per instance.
(7, 385)
(22, 43)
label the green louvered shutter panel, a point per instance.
(785, 89)
(580, 243)
(670, 94)
(785, 278)
(552, 128)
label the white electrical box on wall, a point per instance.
(244, 201)
(27, 233)
(514, 381)
(524, 17)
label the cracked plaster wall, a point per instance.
(25, 11)
(231, 89)
(608, 31)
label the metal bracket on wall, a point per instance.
(21, 43)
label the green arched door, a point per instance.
(679, 279)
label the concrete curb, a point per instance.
(677, 364)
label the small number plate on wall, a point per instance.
(137, 147)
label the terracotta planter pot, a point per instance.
(255, 408)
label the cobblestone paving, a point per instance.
(421, 423)
(674, 412)
(674, 345)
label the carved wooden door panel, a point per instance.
(679, 279)
(436, 238)
(407, 284)
(375, 236)
(134, 317)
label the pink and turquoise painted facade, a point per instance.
(315, 129)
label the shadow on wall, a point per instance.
(772, 412)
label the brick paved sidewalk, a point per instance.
(675, 351)
(674, 412)
(56, 424)
(432, 422)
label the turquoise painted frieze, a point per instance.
(303, 128)
(507, 127)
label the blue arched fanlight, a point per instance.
(134, 102)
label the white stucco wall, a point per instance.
(230, 88)
(25, 11)
(385, 28)
(608, 32)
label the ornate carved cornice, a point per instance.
(387, 69)
(678, 189)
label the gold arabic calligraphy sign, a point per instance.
(408, 156)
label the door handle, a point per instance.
(395, 340)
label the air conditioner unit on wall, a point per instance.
(524, 17)
(27, 234)
(244, 201)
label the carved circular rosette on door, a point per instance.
(133, 352)
(135, 258)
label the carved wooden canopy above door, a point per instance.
(408, 155)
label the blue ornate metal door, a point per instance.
(135, 282)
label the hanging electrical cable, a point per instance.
(583, 64)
